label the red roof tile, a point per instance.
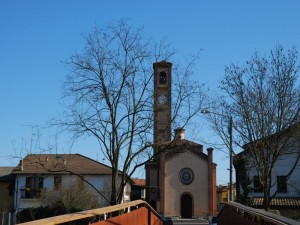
(139, 182)
(278, 202)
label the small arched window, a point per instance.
(162, 78)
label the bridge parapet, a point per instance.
(135, 212)
(235, 214)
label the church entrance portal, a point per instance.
(186, 206)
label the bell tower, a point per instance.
(180, 178)
(162, 101)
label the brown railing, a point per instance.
(235, 214)
(135, 212)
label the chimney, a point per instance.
(179, 133)
(21, 165)
(210, 155)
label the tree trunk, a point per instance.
(114, 183)
(267, 198)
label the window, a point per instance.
(143, 193)
(257, 186)
(186, 176)
(282, 184)
(162, 78)
(57, 182)
(34, 187)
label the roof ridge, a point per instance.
(48, 163)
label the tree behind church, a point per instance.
(263, 97)
(110, 87)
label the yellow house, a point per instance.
(223, 195)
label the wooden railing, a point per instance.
(99, 214)
(235, 214)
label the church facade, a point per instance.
(181, 178)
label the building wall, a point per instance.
(198, 188)
(152, 189)
(225, 197)
(101, 182)
(281, 168)
(6, 201)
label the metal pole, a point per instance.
(230, 150)
(230, 160)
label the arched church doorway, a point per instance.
(186, 206)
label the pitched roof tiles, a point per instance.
(60, 163)
(278, 202)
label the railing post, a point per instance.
(149, 216)
(9, 218)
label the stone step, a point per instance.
(189, 221)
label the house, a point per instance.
(223, 195)
(6, 193)
(38, 174)
(181, 178)
(138, 189)
(285, 186)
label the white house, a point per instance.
(285, 186)
(38, 173)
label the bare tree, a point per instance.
(110, 87)
(74, 196)
(263, 99)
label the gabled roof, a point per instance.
(180, 146)
(60, 164)
(179, 142)
(5, 173)
(290, 130)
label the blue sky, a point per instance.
(36, 36)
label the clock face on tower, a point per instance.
(162, 99)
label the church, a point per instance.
(181, 178)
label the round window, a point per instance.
(186, 176)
